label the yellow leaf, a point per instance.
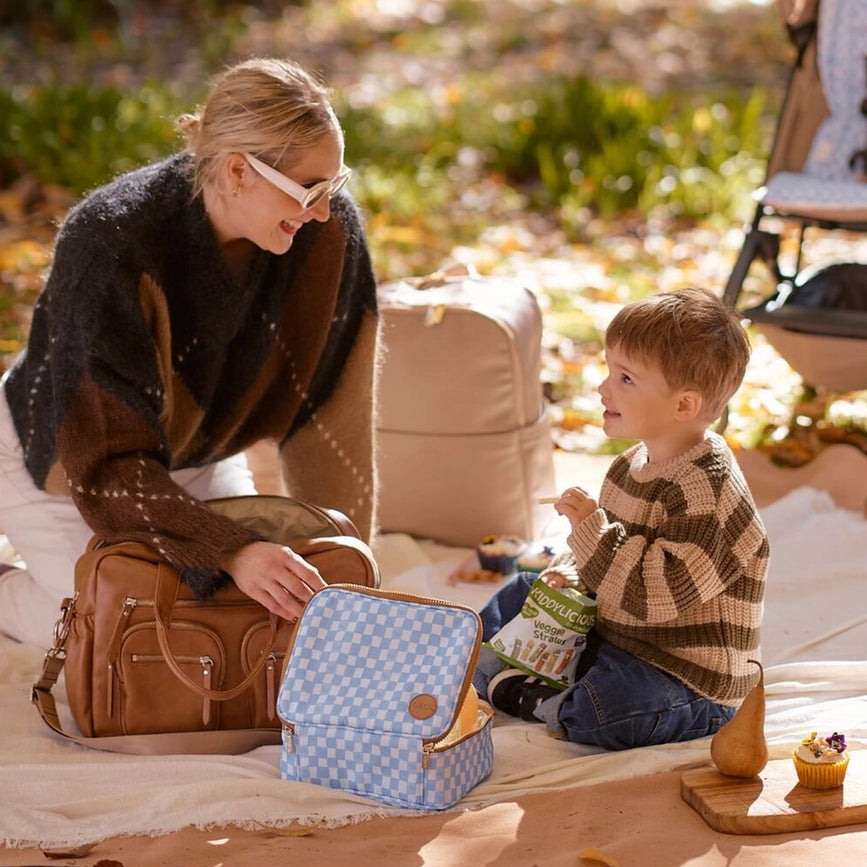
(597, 856)
(21, 255)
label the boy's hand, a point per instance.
(555, 580)
(576, 504)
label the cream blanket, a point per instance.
(54, 793)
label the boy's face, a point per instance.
(639, 404)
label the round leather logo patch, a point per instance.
(423, 706)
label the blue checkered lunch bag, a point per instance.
(373, 684)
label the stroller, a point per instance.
(816, 179)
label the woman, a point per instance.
(194, 307)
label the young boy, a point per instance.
(674, 552)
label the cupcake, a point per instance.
(500, 553)
(821, 762)
(535, 559)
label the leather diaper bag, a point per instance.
(150, 668)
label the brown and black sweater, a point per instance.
(146, 355)
(677, 558)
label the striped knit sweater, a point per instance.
(677, 557)
(146, 355)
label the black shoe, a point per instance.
(517, 694)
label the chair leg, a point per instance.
(769, 253)
(757, 245)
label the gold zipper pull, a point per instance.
(207, 671)
(289, 737)
(122, 622)
(270, 697)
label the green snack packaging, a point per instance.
(548, 635)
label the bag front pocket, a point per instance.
(147, 696)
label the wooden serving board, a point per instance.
(774, 802)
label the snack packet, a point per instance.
(548, 635)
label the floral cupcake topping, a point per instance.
(837, 742)
(827, 749)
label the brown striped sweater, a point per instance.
(146, 355)
(677, 557)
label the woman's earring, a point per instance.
(236, 192)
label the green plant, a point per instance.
(78, 136)
(572, 144)
(567, 144)
(62, 19)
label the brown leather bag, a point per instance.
(152, 669)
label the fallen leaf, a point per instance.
(597, 856)
(70, 852)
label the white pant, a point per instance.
(49, 534)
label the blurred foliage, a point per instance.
(76, 136)
(627, 151)
(58, 19)
(476, 131)
(561, 141)
(76, 20)
(567, 143)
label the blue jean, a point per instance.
(618, 701)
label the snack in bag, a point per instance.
(548, 635)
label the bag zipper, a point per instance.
(270, 689)
(196, 603)
(428, 749)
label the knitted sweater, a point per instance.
(677, 557)
(146, 355)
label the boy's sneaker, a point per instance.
(516, 693)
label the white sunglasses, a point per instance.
(307, 197)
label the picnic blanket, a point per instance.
(57, 794)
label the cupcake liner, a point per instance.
(818, 775)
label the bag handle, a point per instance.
(164, 600)
(453, 274)
(220, 741)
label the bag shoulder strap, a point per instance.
(226, 742)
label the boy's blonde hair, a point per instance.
(692, 337)
(266, 107)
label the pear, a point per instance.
(739, 748)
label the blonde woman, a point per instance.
(194, 307)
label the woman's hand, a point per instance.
(275, 576)
(576, 504)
